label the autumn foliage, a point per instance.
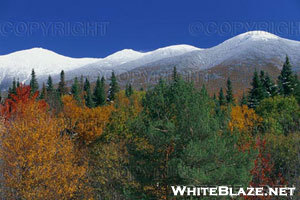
(37, 162)
(58, 145)
(85, 124)
(17, 103)
(262, 172)
(245, 122)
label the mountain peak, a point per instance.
(258, 35)
(126, 51)
(124, 54)
(36, 51)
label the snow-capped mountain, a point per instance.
(238, 56)
(19, 64)
(243, 48)
(127, 60)
(243, 53)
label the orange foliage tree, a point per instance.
(83, 123)
(245, 122)
(37, 162)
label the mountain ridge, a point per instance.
(251, 48)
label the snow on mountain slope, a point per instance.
(253, 47)
(122, 56)
(244, 48)
(44, 62)
(132, 59)
(19, 64)
(123, 64)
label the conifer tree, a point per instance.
(75, 90)
(222, 100)
(53, 96)
(180, 125)
(62, 88)
(286, 80)
(256, 93)
(214, 97)
(99, 92)
(243, 100)
(262, 79)
(229, 92)
(18, 83)
(269, 88)
(114, 87)
(33, 82)
(175, 74)
(88, 95)
(50, 87)
(104, 91)
(128, 90)
(81, 83)
(43, 94)
(14, 87)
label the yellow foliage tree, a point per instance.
(37, 162)
(125, 109)
(244, 121)
(86, 124)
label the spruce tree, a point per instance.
(50, 87)
(214, 97)
(34, 86)
(114, 87)
(262, 79)
(269, 88)
(75, 90)
(18, 83)
(243, 100)
(222, 100)
(88, 95)
(62, 88)
(229, 92)
(286, 80)
(14, 87)
(256, 93)
(81, 83)
(99, 92)
(104, 92)
(9, 92)
(43, 94)
(87, 85)
(128, 90)
(175, 74)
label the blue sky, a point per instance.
(95, 28)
